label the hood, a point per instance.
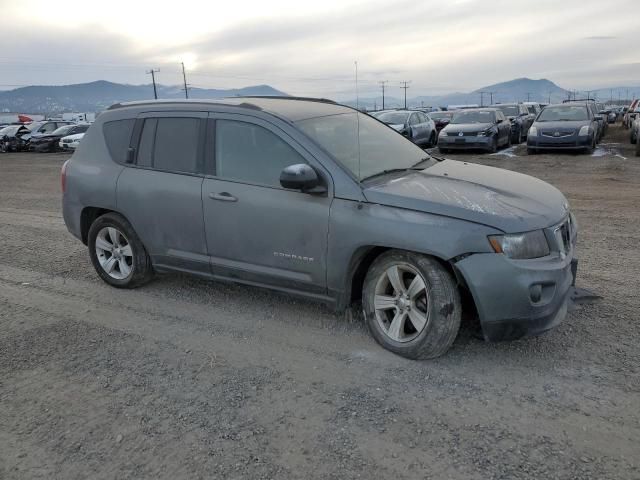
(509, 201)
(467, 127)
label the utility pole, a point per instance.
(405, 85)
(184, 77)
(482, 98)
(528, 96)
(383, 83)
(153, 79)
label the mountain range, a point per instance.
(96, 96)
(518, 90)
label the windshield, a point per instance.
(34, 126)
(532, 109)
(62, 130)
(363, 145)
(394, 118)
(564, 113)
(474, 116)
(509, 110)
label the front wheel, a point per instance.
(117, 253)
(493, 148)
(411, 304)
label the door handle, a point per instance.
(223, 196)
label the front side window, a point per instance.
(170, 144)
(250, 153)
(362, 145)
(48, 128)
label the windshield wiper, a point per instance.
(422, 160)
(391, 170)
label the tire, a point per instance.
(433, 139)
(523, 136)
(638, 149)
(125, 273)
(494, 145)
(589, 150)
(633, 138)
(428, 319)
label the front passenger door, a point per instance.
(256, 230)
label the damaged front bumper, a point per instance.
(518, 298)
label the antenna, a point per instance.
(153, 79)
(184, 77)
(357, 96)
(405, 85)
(383, 83)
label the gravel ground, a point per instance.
(186, 378)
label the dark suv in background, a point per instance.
(317, 199)
(566, 126)
(520, 118)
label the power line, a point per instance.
(405, 85)
(153, 79)
(383, 84)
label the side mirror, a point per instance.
(499, 120)
(301, 177)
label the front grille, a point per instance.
(464, 134)
(560, 134)
(556, 144)
(67, 140)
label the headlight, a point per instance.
(521, 245)
(584, 131)
(486, 133)
(443, 133)
(533, 132)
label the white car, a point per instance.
(71, 142)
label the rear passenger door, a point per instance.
(160, 192)
(256, 230)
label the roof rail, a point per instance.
(287, 97)
(580, 100)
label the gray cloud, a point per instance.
(440, 46)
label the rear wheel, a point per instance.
(589, 150)
(117, 253)
(411, 304)
(433, 139)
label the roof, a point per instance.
(291, 108)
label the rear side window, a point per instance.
(250, 153)
(117, 135)
(170, 144)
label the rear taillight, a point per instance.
(63, 176)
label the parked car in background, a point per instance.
(12, 138)
(630, 113)
(416, 126)
(566, 126)
(44, 127)
(441, 119)
(533, 107)
(48, 142)
(520, 118)
(478, 128)
(637, 129)
(320, 200)
(634, 135)
(71, 142)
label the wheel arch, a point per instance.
(88, 215)
(364, 256)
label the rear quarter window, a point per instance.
(117, 135)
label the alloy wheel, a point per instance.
(114, 253)
(401, 303)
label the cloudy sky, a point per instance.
(309, 48)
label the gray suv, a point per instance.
(316, 199)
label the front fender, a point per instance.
(354, 226)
